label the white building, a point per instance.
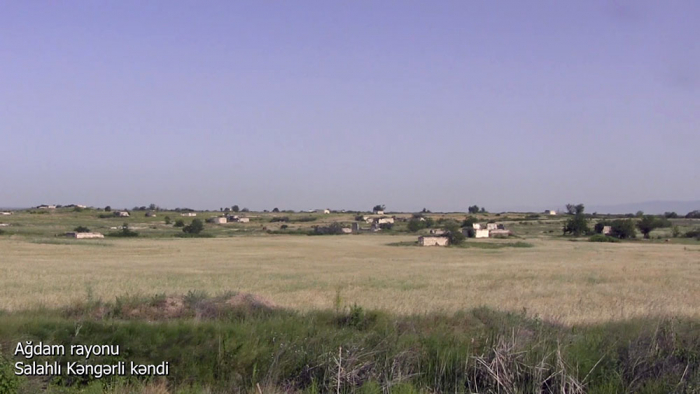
(188, 214)
(123, 214)
(5, 213)
(491, 226)
(481, 233)
(219, 220)
(476, 226)
(243, 220)
(385, 220)
(606, 230)
(550, 212)
(436, 231)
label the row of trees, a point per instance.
(577, 225)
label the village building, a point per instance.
(436, 231)
(46, 207)
(384, 220)
(491, 226)
(376, 212)
(326, 211)
(550, 212)
(346, 230)
(122, 214)
(6, 213)
(84, 235)
(481, 233)
(606, 230)
(243, 220)
(150, 214)
(476, 226)
(218, 220)
(433, 241)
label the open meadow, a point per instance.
(545, 276)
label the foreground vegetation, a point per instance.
(241, 343)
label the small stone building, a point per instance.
(219, 220)
(384, 220)
(188, 214)
(550, 212)
(433, 241)
(481, 233)
(491, 226)
(150, 214)
(436, 231)
(122, 214)
(243, 220)
(84, 235)
(346, 230)
(606, 230)
(476, 226)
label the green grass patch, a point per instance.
(235, 342)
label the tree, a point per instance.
(649, 223)
(379, 208)
(639, 214)
(600, 225)
(195, 227)
(622, 229)
(168, 220)
(693, 215)
(469, 222)
(275, 210)
(152, 207)
(108, 208)
(245, 210)
(474, 209)
(179, 223)
(235, 208)
(454, 233)
(576, 225)
(670, 215)
(482, 210)
(572, 209)
(425, 210)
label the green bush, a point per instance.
(126, 232)
(9, 382)
(195, 227)
(168, 220)
(602, 238)
(179, 223)
(622, 229)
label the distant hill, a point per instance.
(651, 207)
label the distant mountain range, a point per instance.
(651, 207)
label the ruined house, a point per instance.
(84, 235)
(433, 241)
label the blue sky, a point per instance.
(348, 104)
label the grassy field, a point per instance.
(558, 280)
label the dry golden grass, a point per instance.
(569, 282)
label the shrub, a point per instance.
(693, 215)
(168, 220)
(126, 232)
(81, 229)
(469, 222)
(332, 229)
(693, 233)
(670, 215)
(416, 224)
(649, 223)
(622, 229)
(108, 209)
(279, 219)
(195, 227)
(235, 208)
(2, 231)
(275, 210)
(284, 227)
(379, 207)
(386, 226)
(602, 238)
(179, 223)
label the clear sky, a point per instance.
(347, 104)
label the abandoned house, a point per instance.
(122, 214)
(481, 233)
(243, 220)
(491, 226)
(436, 231)
(150, 214)
(550, 212)
(476, 226)
(5, 213)
(606, 230)
(84, 235)
(188, 214)
(218, 220)
(384, 220)
(433, 241)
